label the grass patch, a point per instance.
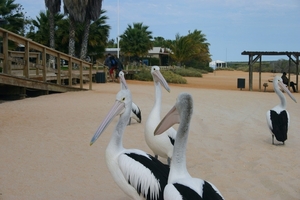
(225, 69)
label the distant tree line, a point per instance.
(277, 66)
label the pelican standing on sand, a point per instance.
(135, 112)
(181, 185)
(278, 118)
(161, 145)
(137, 173)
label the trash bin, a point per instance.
(241, 83)
(100, 77)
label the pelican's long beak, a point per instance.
(162, 80)
(285, 88)
(123, 83)
(171, 118)
(117, 108)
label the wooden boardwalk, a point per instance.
(32, 68)
(38, 68)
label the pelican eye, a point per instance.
(123, 99)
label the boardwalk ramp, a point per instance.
(14, 87)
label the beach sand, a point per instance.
(45, 151)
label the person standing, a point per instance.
(112, 64)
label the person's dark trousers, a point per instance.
(292, 84)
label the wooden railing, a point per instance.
(20, 60)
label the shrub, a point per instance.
(188, 72)
(145, 75)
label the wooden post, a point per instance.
(105, 72)
(58, 69)
(250, 71)
(289, 71)
(26, 60)
(81, 77)
(90, 76)
(70, 70)
(260, 75)
(37, 63)
(6, 66)
(297, 72)
(44, 65)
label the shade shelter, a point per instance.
(257, 55)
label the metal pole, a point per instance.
(118, 55)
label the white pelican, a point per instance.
(136, 112)
(180, 183)
(278, 118)
(137, 173)
(161, 145)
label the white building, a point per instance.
(217, 64)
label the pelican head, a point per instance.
(181, 112)
(123, 100)
(158, 77)
(123, 81)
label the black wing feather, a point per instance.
(279, 125)
(159, 170)
(208, 192)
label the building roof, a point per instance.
(159, 50)
(217, 61)
(153, 51)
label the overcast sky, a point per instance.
(230, 26)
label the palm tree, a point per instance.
(181, 49)
(81, 11)
(62, 35)
(159, 42)
(41, 25)
(93, 12)
(111, 43)
(201, 47)
(39, 31)
(13, 15)
(98, 35)
(76, 9)
(190, 47)
(136, 40)
(53, 7)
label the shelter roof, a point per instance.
(271, 53)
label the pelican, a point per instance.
(135, 112)
(181, 185)
(137, 173)
(278, 118)
(161, 145)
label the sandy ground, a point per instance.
(45, 152)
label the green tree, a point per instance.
(13, 15)
(40, 29)
(192, 47)
(62, 35)
(76, 10)
(98, 35)
(81, 11)
(159, 42)
(54, 8)
(112, 44)
(201, 47)
(99, 32)
(93, 11)
(136, 40)
(180, 49)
